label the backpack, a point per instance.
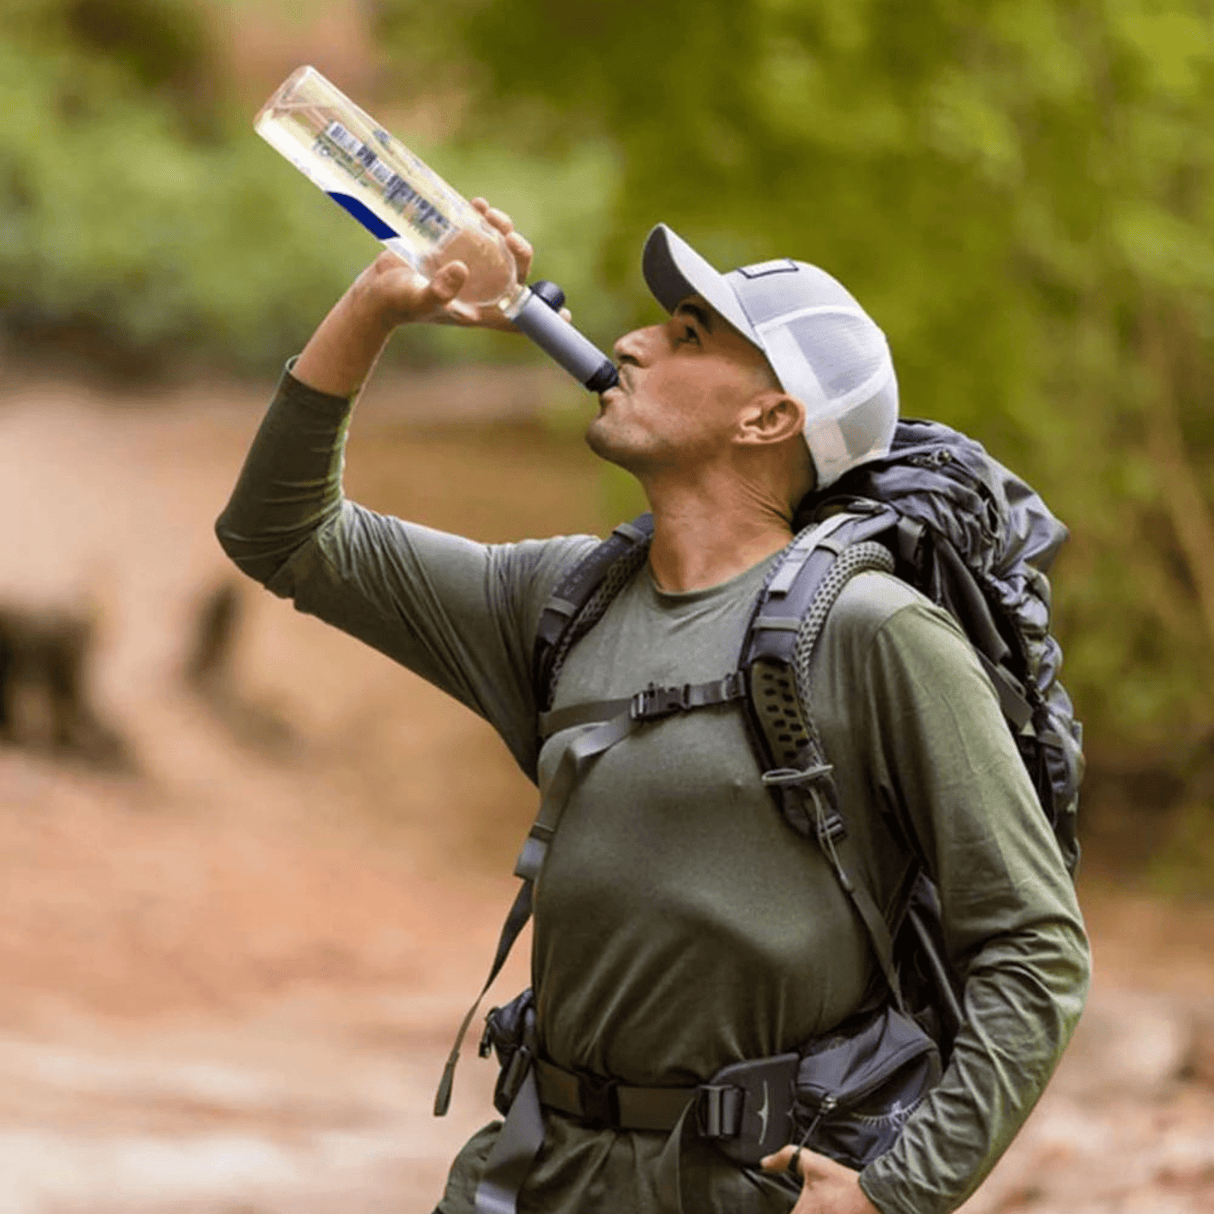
(937, 511)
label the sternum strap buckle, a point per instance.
(655, 702)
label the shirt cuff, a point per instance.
(300, 393)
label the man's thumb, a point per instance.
(781, 1160)
(447, 282)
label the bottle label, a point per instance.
(361, 162)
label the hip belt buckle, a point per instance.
(749, 1106)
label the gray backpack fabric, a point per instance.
(985, 544)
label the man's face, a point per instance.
(684, 385)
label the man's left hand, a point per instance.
(827, 1187)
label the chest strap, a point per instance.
(651, 704)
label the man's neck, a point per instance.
(702, 539)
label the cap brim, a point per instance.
(673, 270)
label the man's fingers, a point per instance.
(807, 1163)
(442, 305)
(516, 242)
(520, 246)
(500, 220)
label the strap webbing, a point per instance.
(649, 705)
(842, 852)
(1012, 700)
(553, 722)
(654, 1110)
(798, 553)
(513, 1152)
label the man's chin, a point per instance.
(596, 440)
(602, 442)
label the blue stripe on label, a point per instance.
(364, 215)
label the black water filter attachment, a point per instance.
(539, 317)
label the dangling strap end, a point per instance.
(442, 1098)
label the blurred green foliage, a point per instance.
(1022, 193)
(145, 221)
(135, 220)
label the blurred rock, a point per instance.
(210, 670)
(215, 625)
(45, 700)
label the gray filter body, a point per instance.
(562, 342)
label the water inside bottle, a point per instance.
(391, 192)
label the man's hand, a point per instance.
(340, 354)
(827, 1187)
(395, 294)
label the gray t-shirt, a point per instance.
(679, 924)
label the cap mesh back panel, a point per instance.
(844, 351)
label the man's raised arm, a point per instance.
(290, 485)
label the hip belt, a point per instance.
(716, 1108)
(846, 1094)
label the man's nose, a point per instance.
(631, 346)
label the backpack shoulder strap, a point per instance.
(791, 609)
(784, 630)
(580, 599)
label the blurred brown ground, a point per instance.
(228, 978)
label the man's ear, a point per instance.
(771, 417)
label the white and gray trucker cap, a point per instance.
(824, 348)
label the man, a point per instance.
(679, 925)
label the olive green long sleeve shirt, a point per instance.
(680, 925)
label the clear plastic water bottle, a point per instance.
(415, 213)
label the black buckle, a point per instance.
(718, 1110)
(600, 1102)
(749, 1104)
(656, 702)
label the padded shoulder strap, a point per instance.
(787, 598)
(784, 631)
(620, 550)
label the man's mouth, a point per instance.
(623, 379)
(621, 385)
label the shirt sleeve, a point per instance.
(459, 613)
(942, 755)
